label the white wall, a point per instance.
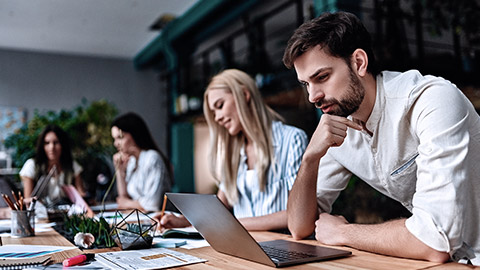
(53, 82)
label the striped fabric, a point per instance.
(289, 145)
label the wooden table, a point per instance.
(359, 260)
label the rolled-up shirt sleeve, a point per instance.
(332, 178)
(441, 194)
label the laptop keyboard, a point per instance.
(277, 254)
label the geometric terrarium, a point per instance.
(134, 231)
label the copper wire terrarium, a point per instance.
(134, 231)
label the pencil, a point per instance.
(15, 201)
(163, 206)
(8, 201)
(14, 196)
(20, 200)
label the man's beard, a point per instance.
(352, 99)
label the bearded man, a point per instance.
(413, 137)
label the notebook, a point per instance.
(226, 235)
(25, 256)
(22, 263)
(188, 232)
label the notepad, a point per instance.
(14, 256)
(29, 251)
(188, 232)
(20, 256)
(168, 243)
(13, 263)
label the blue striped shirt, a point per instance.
(289, 143)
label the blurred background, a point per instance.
(81, 63)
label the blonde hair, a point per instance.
(256, 119)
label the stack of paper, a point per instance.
(154, 258)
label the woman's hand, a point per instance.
(171, 221)
(120, 160)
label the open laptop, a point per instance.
(226, 235)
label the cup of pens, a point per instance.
(23, 223)
(23, 216)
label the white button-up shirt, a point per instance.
(148, 180)
(424, 152)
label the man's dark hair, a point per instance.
(339, 33)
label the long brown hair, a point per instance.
(66, 159)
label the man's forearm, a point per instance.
(389, 238)
(302, 203)
(302, 207)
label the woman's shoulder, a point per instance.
(28, 168)
(282, 131)
(152, 160)
(150, 156)
(30, 163)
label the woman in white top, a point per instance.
(53, 150)
(142, 170)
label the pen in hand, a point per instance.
(163, 210)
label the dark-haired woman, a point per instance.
(142, 170)
(53, 150)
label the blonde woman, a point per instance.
(254, 156)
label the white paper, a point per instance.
(29, 251)
(154, 258)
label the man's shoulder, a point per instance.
(408, 84)
(400, 84)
